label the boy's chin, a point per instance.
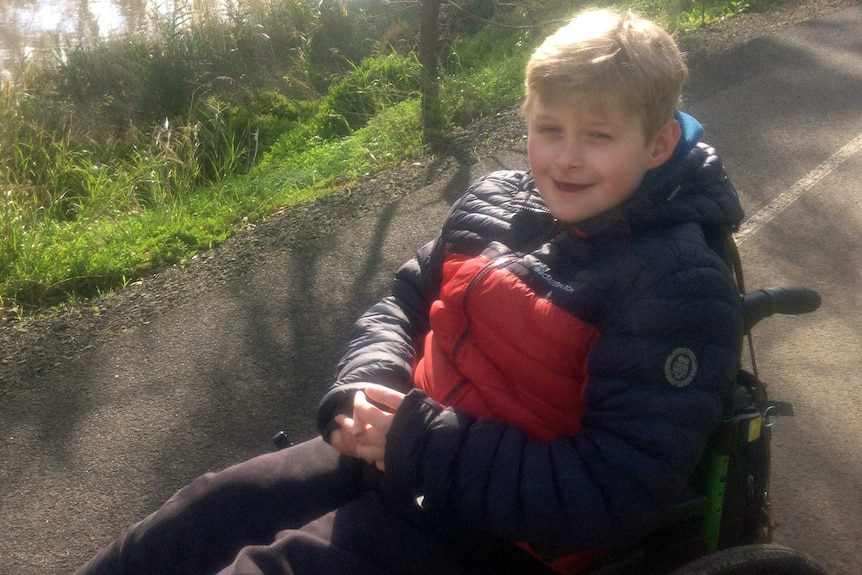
(569, 214)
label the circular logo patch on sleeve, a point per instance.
(680, 367)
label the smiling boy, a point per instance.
(587, 158)
(544, 375)
(578, 325)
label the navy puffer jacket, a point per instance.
(628, 412)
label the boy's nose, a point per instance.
(570, 155)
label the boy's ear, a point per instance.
(665, 143)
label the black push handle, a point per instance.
(790, 300)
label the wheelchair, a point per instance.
(724, 524)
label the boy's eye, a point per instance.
(599, 135)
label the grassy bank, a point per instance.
(119, 156)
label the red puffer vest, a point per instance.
(471, 360)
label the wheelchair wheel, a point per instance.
(753, 560)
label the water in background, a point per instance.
(25, 24)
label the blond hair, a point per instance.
(612, 58)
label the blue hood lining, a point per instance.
(691, 132)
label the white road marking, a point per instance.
(753, 224)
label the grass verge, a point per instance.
(86, 207)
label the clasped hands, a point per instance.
(364, 434)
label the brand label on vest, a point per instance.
(680, 367)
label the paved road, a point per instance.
(90, 445)
(787, 113)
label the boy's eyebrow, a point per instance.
(545, 116)
(544, 121)
(605, 123)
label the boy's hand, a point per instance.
(378, 420)
(364, 434)
(345, 439)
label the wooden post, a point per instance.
(429, 31)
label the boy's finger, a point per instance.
(377, 420)
(352, 426)
(384, 396)
(359, 398)
(343, 442)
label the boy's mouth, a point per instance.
(570, 188)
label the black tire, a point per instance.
(753, 560)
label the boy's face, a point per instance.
(588, 159)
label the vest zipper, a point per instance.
(489, 267)
(453, 392)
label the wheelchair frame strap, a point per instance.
(736, 263)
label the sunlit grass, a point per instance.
(127, 155)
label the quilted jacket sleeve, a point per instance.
(381, 344)
(641, 435)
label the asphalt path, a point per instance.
(92, 444)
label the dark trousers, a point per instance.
(304, 510)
